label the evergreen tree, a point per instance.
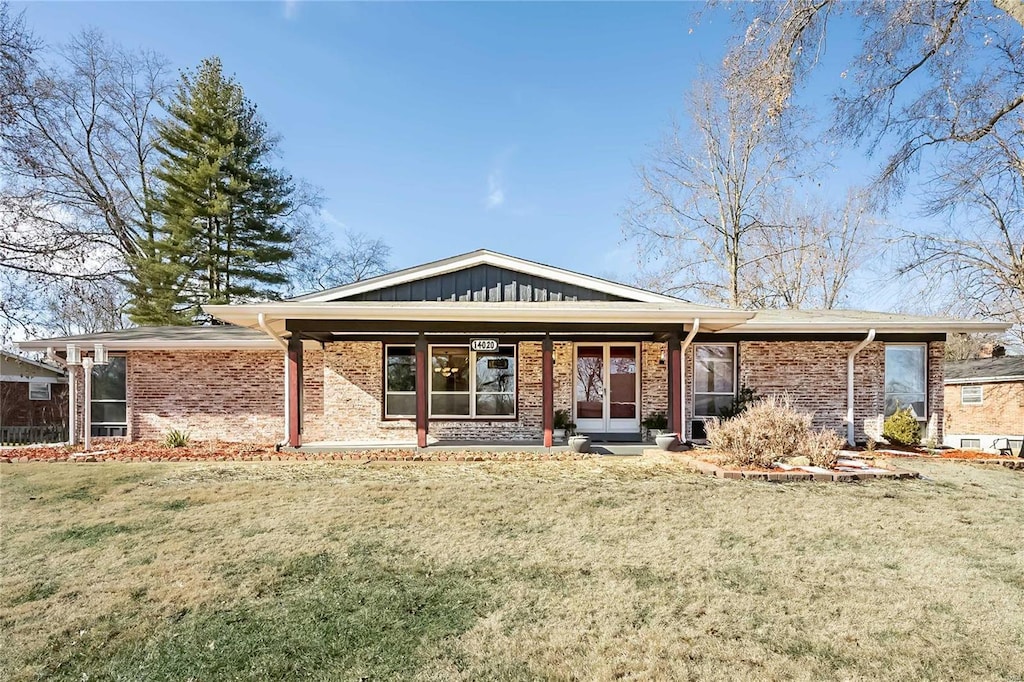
(219, 227)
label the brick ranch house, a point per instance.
(486, 347)
(985, 403)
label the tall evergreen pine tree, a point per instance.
(220, 213)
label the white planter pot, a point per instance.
(667, 441)
(558, 435)
(579, 443)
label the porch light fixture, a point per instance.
(76, 358)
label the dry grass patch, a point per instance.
(571, 570)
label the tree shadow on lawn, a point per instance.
(366, 615)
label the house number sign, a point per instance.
(484, 345)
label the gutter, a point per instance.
(849, 385)
(52, 356)
(262, 320)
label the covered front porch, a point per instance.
(441, 374)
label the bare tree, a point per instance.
(980, 249)
(809, 258)
(321, 262)
(76, 156)
(969, 346)
(707, 191)
(929, 74)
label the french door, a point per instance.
(607, 391)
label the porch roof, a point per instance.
(276, 315)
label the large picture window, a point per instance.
(400, 389)
(109, 398)
(465, 383)
(714, 379)
(906, 378)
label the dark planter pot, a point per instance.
(667, 441)
(579, 443)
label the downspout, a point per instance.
(850, 437)
(52, 356)
(261, 318)
(682, 368)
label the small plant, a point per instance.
(176, 439)
(744, 399)
(562, 420)
(902, 427)
(655, 421)
(822, 448)
(869, 445)
(765, 432)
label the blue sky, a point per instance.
(445, 127)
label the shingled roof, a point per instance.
(1008, 368)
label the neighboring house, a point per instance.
(985, 403)
(32, 394)
(485, 347)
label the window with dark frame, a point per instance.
(109, 398)
(714, 379)
(400, 386)
(472, 384)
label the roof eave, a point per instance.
(157, 344)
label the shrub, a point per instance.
(744, 399)
(822, 447)
(176, 439)
(767, 431)
(655, 420)
(902, 427)
(771, 430)
(562, 420)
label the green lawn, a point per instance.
(563, 570)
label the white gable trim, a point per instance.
(484, 257)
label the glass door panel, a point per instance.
(623, 411)
(590, 382)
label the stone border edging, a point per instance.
(709, 469)
(384, 456)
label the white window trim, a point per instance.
(472, 392)
(36, 386)
(981, 395)
(388, 415)
(974, 447)
(735, 375)
(927, 409)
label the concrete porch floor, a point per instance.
(618, 449)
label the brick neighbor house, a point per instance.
(33, 400)
(985, 403)
(486, 347)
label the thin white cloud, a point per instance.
(291, 9)
(495, 191)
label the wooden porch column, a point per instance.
(675, 386)
(293, 391)
(422, 377)
(548, 389)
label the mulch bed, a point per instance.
(217, 451)
(717, 464)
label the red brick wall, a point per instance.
(227, 395)
(1001, 412)
(239, 395)
(17, 410)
